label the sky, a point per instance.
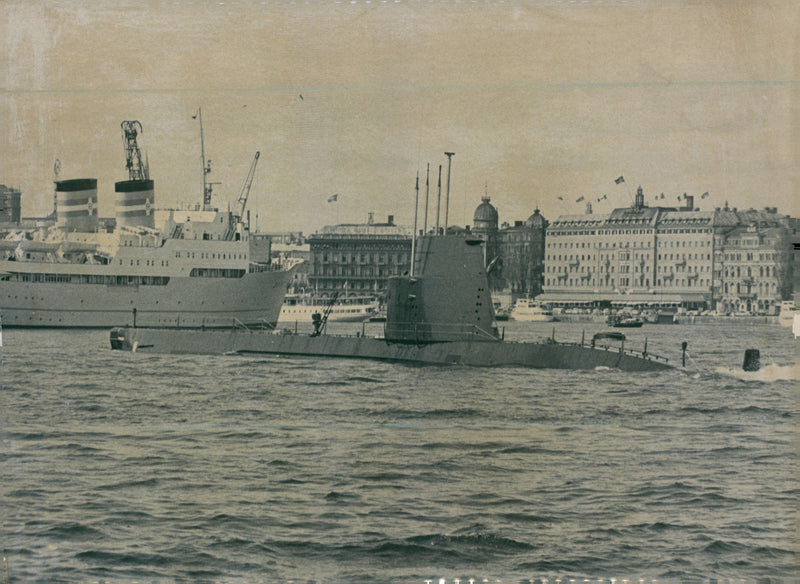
(538, 100)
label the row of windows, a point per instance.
(763, 288)
(362, 258)
(625, 256)
(212, 256)
(215, 273)
(626, 244)
(750, 257)
(147, 262)
(748, 272)
(88, 279)
(554, 231)
(626, 281)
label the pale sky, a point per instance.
(538, 99)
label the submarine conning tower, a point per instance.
(135, 203)
(448, 297)
(76, 205)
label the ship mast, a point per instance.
(207, 186)
(414, 233)
(447, 198)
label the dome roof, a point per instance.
(536, 220)
(485, 213)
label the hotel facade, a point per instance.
(660, 257)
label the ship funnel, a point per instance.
(76, 204)
(135, 203)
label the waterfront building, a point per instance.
(358, 259)
(755, 263)
(657, 257)
(484, 225)
(522, 249)
(514, 253)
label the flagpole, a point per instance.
(414, 233)
(439, 200)
(427, 189)
(447, 199)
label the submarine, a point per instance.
(441, 313)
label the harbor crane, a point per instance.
(137, 170)
(248, 182)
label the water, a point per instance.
(130, 467)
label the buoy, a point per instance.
(752, 360)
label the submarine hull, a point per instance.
(477, 353)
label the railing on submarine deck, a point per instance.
(432, 332)
(593, 344)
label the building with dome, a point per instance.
(484, 225)
(514, 252)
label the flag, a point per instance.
(579, 199)
(333, 198)
(704, 195)
(620, 180)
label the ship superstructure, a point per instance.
(198, 267)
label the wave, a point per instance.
(70, 531)
(768, 374)
(433, 414)
(125, 558)
(128, 484)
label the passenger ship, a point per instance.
(203, 268)
(300, 308)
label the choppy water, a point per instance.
(129, 467)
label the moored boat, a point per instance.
(624, 320)
(528, 310)
(301, 307)
(788, 312)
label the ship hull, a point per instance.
(550, 355)
(252, 299)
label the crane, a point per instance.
(137, 170)
(248, 182)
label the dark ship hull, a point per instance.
(441, 316)
(470, 353)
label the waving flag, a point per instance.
(333, 198)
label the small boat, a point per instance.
(301, 307)
(624, 320)
(379, 316)
(787, 314)
(501, 313)
(528, 310)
